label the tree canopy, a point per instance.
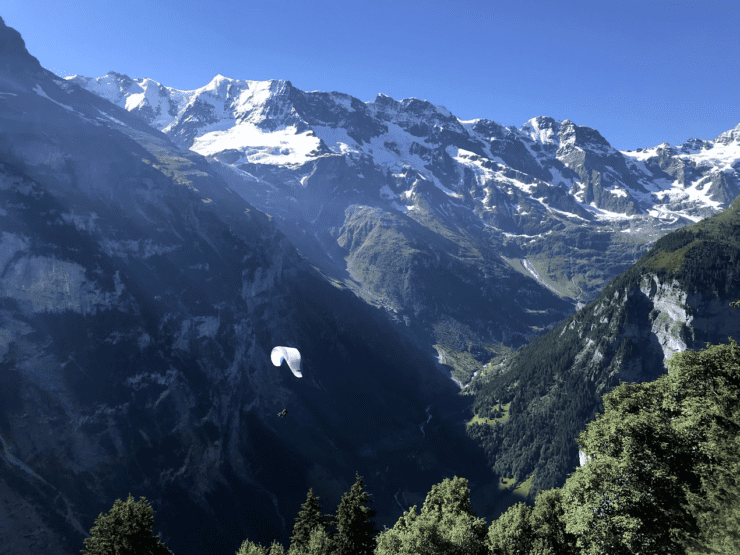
(355, 530)
(309, 518)
(125, 530)
(664, 461)
(447, 524)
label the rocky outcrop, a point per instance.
(659, 318)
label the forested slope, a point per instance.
(674, 298)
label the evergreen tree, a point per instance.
(276, 548)
(447, 524)
(248, 547)
(308, 519)
(355, 531)
(320, 542)
(125, 530)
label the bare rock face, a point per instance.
(659, 317)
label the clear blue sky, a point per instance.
(639, 72)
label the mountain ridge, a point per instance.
(551, 205)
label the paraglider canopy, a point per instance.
(291, 355)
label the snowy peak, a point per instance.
(419, 117)
(146, 98)
(584, 137)
(542, 130)
(527, 170)
(694, 145)
(218, 84)
(720, 155)
(565, 135)
(731, 136)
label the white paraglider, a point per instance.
(289, 354)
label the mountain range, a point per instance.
(157, 244)
(474, 235)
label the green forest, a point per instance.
(662, 478)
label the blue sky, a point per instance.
(640, 72)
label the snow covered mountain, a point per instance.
(271, 123)
(409, 206)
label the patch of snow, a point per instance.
(389, 159)
(539, 135)
(557, 177)
(114, 120)
(337, 139)
(343, 100)
(39, 91)
(720, 156)
(604, 215)
(280, 147)
(618, 191)
(536, 275)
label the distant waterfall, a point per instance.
(429, 417)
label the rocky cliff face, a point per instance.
(659, 316)
(140, 298)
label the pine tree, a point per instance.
(125, 530)
(248, 547)
(309, 518)
(320, 542)
(355, 534)
(276, 548)
(447, 524)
